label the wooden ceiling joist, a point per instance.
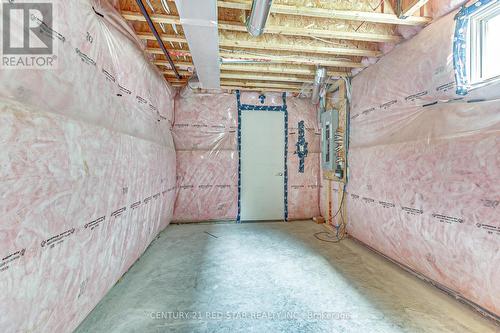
(260, 77)
(156, 18)
(233, 88)
(178, 81)
(335, 14)
(175, 52)
(277, 69)
(165, 38)
(171, 72)
(284, 59)
(264, 45)
(286, 56)
(287, 31)
(262, 84)
(350, 15)
(294, 59)
(178, 64)
(264, 87)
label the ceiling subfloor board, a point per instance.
(288, 31)
(260, 45)
(350, 15)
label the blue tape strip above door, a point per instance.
(277, 108)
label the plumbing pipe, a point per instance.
(256, 22)
(319, 79)
(157, 36)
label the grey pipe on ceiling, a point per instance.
(256, 22)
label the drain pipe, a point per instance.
(319, 79)
(157, 36)
(256, 22)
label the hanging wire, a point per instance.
(340, 229)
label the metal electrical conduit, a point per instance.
(157, 36)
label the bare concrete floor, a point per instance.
(272, 277)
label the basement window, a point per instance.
(477, 45)
(485, 44)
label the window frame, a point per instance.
(476, 44)
(467, 46)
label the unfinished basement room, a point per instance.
(222, 166)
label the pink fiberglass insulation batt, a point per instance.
(205, 135)
(423, 186)
(87, 176)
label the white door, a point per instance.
(262, 165)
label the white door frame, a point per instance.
(264, 108)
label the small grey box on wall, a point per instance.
(329, 124)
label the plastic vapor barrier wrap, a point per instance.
(423, 184)
(207, 160)
(303, 187)
(205, 134)
(87, 170)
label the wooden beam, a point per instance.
(262, 84)
(265, 45)
(387, 17)
(171, 72)
(285, 59)
(174, 80)
(178, 64)
(323, 33)
(173, 52)
(294, 59)
(406, 8)
(289, 31)
(257, 77)
(334, 14)
(165, 38)
(277, 69)
(157, 18)
(232, 88)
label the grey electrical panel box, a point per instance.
(329, 124)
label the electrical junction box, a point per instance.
(329, 125)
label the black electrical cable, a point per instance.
(157, 36)
(329, 235)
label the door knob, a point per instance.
(279, 174)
